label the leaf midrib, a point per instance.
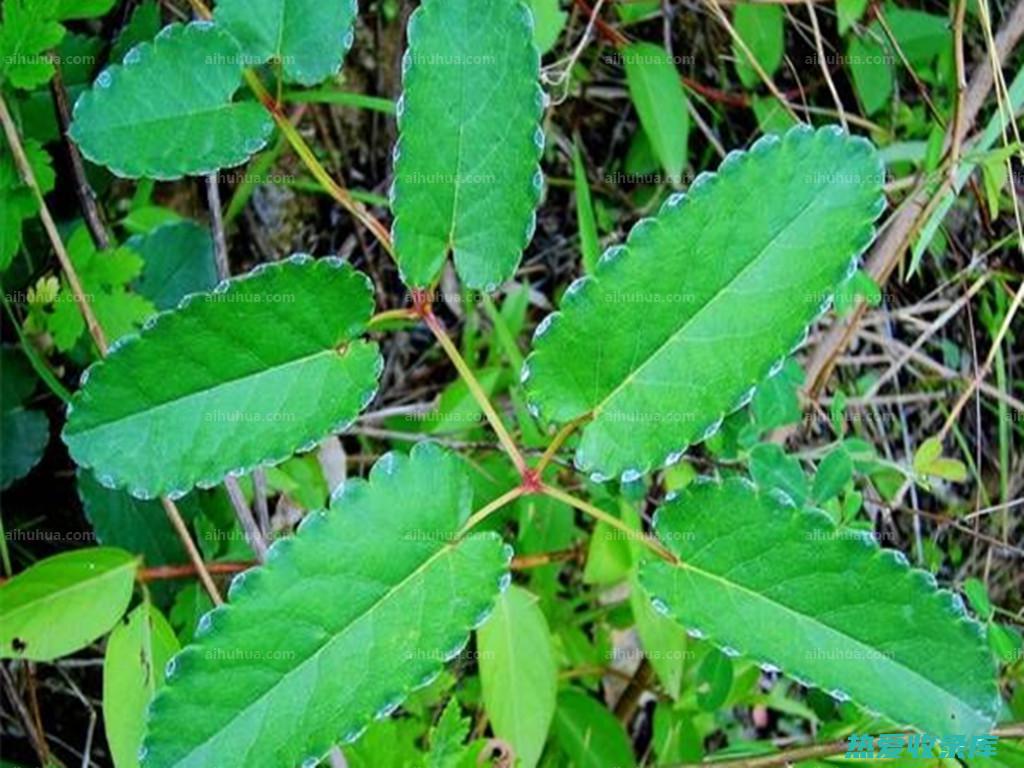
(112, 127)
(167, 404)
(711, 302)
(315, 655)
(34, 605)
(886, 661)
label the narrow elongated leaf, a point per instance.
(827, 605)
(518, 674)
(308, 37)
(589, 734)
(229, 381)
(676, 329)
(761, 29)
(361, 607)
(63, 603)
(147, 117)
(660, 101)
(466, 174)
(133, 668)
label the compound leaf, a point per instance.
(63, 603)
(308, 37)
(233, 379)
(148, 117)
(678, 327)
(361, 607)
(466, 174)
(788, 588)
(27, 33)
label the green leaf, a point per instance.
(714, 680)
(761, 29)
(788, 588)
(849, 13)
(141, 527)
(229, 381)
(548, 21)
(118, 123)
(977, 593)
(62, 604)
(677, 328)
(361, 607)
(28, 32)
(141, 27)
(663, 640)
(83, 9)
(178, 260)
(772, 468)
(660, 101)
(23, 438)
(589, 734)
(309, 38)
(133, 669)
(928, 461)
(921, 36)
(590, 245)
(466, 173)
(447, 738)
(104, 276)
(518, 674)
(871, 71)
(834, 472)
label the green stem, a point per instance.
(478, 517)
(477, 391)
(560, 438)
(599, 514)
(302, 149)
(40, 367)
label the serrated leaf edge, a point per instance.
(300, 76)
(241, 583)
(206, 483)
(700, 185)
(537, 182)
(135, 56)
(948, 600)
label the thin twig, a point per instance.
(86, 196)
(29, 177)
(475, 389)
(252, 531)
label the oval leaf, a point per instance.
(229, 381)
(677, 328)
(147, 117)
(62, 604)
(466, 173)
(589, 734)
(518, 674)
(788, 588)
(308, 37)
(346, 618)
(133, 668)
(660, 101)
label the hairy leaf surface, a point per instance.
(827, 605)
(308, 37)
(361, 607)
(166, 112)
(466, 174)
(677, 328)
(233, 379)
(63, 603)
